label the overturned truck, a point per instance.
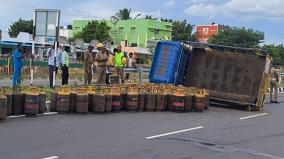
(235, 77)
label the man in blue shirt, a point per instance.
(17, 59)
(51, 59)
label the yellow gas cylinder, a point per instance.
(199, 100)
(82, 101)
(63, 99)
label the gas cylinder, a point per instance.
(188, 102)
(199, 102)
(42, 103)
(3, 106)
(63, 99)
(132, 99)
(141, 98)
(150, 99)
(53, 101)
(18, 103)
(161, 99)
(82, 101)
(179, 99)
(116, 98)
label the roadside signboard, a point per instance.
(46, 25)
(47, 22)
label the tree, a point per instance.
(182, 31)
(167, 20)
(124, 14)
(238, 37)
(193, 37)
(21, 26)
(277, 53)
(95, 30)
(148, 17)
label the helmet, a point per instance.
(100, 45)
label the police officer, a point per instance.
(274, 85)
(88, 62)
(17, 58)
(101, 58)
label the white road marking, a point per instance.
(15, 116)
(175, 132)
(50, 113)
(21, 116)
(51, 157)
(252, 116)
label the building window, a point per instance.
(206, 31)
(133, 30)
(133, 45)
(120, 30)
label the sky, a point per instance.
(262, 15)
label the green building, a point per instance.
(137, 32)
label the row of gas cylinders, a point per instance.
(131, 97)
(30, 102)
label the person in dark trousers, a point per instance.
(110, 64)
(65, 66)
(51, 65)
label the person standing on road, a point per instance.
(65, 66)
(274, 85)
(17, 58)
(51, 65)
(101, 58)
(119, 65)
(110, 64)
(131, 63)
(88, 62)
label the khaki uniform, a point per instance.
(101, 59)
(273, 85)
(88, 62)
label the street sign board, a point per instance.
(47, 22)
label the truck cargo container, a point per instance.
(234, 76)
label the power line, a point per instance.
(18, 4)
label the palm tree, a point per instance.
(124, 14)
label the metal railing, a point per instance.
(139, 70)
(281, 78)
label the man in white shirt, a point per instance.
(51, 62)
(131, 63)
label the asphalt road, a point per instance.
(215, 134)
